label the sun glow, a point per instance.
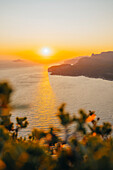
(46, 52)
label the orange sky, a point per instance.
(57, 55)
(69, 28)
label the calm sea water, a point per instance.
(44, 93)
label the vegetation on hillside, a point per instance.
(86, 144)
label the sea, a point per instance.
(37, 95)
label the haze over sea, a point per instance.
(43, 93)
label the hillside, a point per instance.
(73, 60)
(96, 66)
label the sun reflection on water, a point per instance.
(46, 103)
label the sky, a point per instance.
(69, 28)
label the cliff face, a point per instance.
(96, 66)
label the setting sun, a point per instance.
(46, 52)
(56, 84)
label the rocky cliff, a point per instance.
(96, 66)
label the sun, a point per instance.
(46, 52)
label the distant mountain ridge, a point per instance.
(73, 60)
(9, 64)
(96, 66)
(18, 60)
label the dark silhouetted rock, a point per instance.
(96, 66)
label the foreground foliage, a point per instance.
(86, 145)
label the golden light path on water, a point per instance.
(46, 102)
(43, 94)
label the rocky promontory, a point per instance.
(95, 66)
